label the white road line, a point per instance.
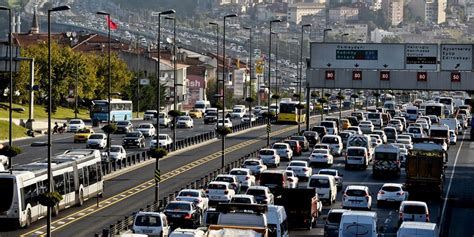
(451, 181)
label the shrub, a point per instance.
(110, 128)
(296, 95)
(175, 113)
(354, 96)
(249, 100)
(223, 131)
(300, 106)
(269, 115)
(275, 97)
(322, 100)
(157, 153)
(314, 94)
(10, 151)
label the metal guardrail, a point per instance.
(201, 183)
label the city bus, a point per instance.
(121, 110)
(289, 113)
(437, 109)
(449, 104)
(77, 176)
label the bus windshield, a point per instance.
(385, 156)
(439, 133)
(287, 108)
(6, 189)
(100, 108)
(433, 110)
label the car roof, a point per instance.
(392, 184)
(219, 182)
(329, 170)
(258, 187)
(418, 225)
(359, 187)
(413, 203)
(337, 210)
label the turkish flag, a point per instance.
(112, 25)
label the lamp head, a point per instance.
(168, 12)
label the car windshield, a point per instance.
(391, 188)
(321, 151)
(185, 118)
(122, 123)
(256, 192)
(279, 146)
(96, 136)
(253, 162)
(355, 152)
(330, 140)
(241, 200)
(414, 130)
(148, 220)
(115, 149)
(188, 194)
(301, 164)
(334, 217)
(297, 138)
(356, 193)
(75, 122)
(144, 126)
(238, 172)
(178, 206)
(225, 179)
(217, 186)
(327, 124)
(266, 152)
(328, 172)
(133, 134)
(162, 137)
(385, 156)
(373, 116)
(414, 209)
(319, 183)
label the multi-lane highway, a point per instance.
(129, 190)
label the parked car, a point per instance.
(97, 141)
(357, 197)
(124, 127)
(269, 157)
(133, 139)
(147, 129)
(150, 223)
(197, 196)
(391, 193)
(183, 214)
(301, 169)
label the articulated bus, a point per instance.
(77, 176)
(120, 110)
(289, 113)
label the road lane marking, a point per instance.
(147, 185)
(451, 180)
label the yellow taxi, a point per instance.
(345, 124)
(194, 113)
(83, 134)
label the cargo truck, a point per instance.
(302, 207)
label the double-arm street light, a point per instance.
(325, 32)
(224, 66)
(300, 79)
(175, 79)
(158, 98)
(10, 111)
(216, 96)
(269, 76)
(50, 174)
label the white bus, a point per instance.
(448, 102)
(435, 109)
(77, 176)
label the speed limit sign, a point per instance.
(330, 74)
(422, 76)
(385, 75)
(356, 75)
(455, 76)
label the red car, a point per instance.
(295, 146)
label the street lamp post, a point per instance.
(300, 79)
(224, 64)
(50, 174)
(325, 31)
(175, 80)
(251, 74)
(269, 76)
(216, 95)
(277, 89)
(158, 97)
(342, 37)
(10, 111)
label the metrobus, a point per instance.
(449, 104)
(437, 109)
(120, 110)
(289, 113)
(77, 176)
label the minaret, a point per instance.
(34, 25)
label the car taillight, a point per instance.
(188, 216)
(247, 177)
(305, 169)
(197, 201)
(367, 197)
(226, 192)
(400, 193)
(207, 191)
(427, 217)
(381, 192)
(401, 215)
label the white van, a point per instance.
(331, 127)
(334, 142)
(277, 221)
(358, 223)
(188, 233)
(418, 229)
(357, 157)
(202, 105)
(325, 186)
(151, 223)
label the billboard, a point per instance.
(196, 86)
(238, 82)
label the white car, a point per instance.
(453, 139)
(150, 223)
(367, 127)
(292, 179)
(413, 211)
(185, 122)
(248, 118)
(163, 139)
(284, 150)
(147, 129)
(164, 120)
(245, 177)
(219, 191)
(391, 193)
(382, 135)
(357, 197)
(269, 157)
(97, 141)
(75, 125)
(237, 113)
(226, 122)
(336, 174)
(243, 198)
(301, 169)
(355, 129)
(321, 156)
(397, 124)
(194, 195)
(117, 152)
(262, 194)
(407, 142)
(334, 142)
(256, 166)
(375, 139)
